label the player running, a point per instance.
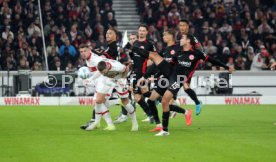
(186, 62)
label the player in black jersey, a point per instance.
(139, 69)
(186, 62)
(111, 52)
(160, 88)
(184, 27)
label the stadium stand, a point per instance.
(239, 33)
(67, 23)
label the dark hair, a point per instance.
(133, 34)
(83, 45)
(143, 25)
(185, 21)
(191, 37)
(171, 32)
(115, 31)
(101, 66)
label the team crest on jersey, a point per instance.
(142, 47)
(191, 57)
(172, 52)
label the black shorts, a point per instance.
(138, 85)
(165, 68)
(162, 85)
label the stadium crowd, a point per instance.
(67, 23)
(238, 33)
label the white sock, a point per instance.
(98, 114)
(130, 109)
(106, 115)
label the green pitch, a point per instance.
(220, 133)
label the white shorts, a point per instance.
(106, 85)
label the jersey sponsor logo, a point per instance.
(184, 63)
(191, 57)
(142, 47)
(136, 55)
(172, 52)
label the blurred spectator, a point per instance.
(57, 66)
(70, 67)
(67, 50)
(34, 28)
(110, 20)
(260, 61)
(23, 63)
(37, 66)
(101, 42)
(51, 58)
(7, 33)
(52, 47)
(153, 34)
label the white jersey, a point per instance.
(115, 67)
(112, 79)
(93, 61)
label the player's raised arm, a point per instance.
(214, 61)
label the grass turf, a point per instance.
(220, 133)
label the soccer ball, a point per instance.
(84, 72)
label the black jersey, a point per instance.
(170, 51)
(140, 63)
(187, 62)
(112, 51)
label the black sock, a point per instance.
(141, 52)
(144, 106)
(93, 114)
(154, 111)
(147, 94)
(165, 121)
(177, 109)
(193, 96)
(124, 112)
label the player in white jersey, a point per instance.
(114, 78)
